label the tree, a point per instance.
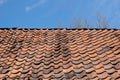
(76, 23)
(87, 25)
(102, 21)
(80, 23)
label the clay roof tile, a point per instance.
(59, 54)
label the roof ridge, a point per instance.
(15, 28)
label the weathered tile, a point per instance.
(117, 66)
(59, 54)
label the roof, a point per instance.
(59, 54)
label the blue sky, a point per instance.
(51, 13)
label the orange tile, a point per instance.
(59, 54)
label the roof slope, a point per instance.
(59, 54)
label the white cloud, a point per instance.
(2, 2)
(39, 3)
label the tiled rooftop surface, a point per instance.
(60, 54)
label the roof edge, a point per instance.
(15, 28)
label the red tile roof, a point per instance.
(59, 54)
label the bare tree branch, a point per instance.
(102, 21)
